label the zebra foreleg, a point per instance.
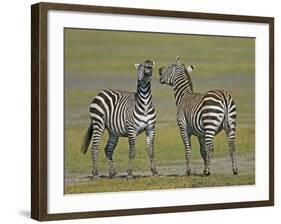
(97, 134)
(132, 153)
(150, 134)
(109, 148)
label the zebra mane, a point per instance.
(188, 77)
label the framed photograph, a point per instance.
(138, 111)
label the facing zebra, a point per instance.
(123, 114)
(202, 115)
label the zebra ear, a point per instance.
(137, 65)
(178, 60)
(190, 68)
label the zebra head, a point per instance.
(144, 71)
(169, 74)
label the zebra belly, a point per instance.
(196, 125)
(202, 134)
(118, 130)
(195, 131)
(139, 127)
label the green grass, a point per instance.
(153, 183)
(168, 150)
(96, 60)
(92, 49)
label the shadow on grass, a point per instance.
(124, 176)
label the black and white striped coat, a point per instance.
(123, 114)
(202, 115)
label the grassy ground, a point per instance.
(163, 182)
(95, 60)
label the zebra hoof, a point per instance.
(130, 174)
(95, 174)
(94, 177)
(206, 173)
(155, 174)
(235, 172)
(130, 177)
(187, 173)
(112, 174)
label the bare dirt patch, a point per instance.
(245, 164)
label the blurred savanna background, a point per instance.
(96, 60)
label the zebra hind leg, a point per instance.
(202, 149)
(231, 144)
(109, 148)
(209, 149)
(97, 134)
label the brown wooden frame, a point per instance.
(39, 110)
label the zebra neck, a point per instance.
(143, 97)
(182, 87)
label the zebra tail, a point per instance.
(226, 119)
(87, 139)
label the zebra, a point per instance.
(123, 114)
(202, 115)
